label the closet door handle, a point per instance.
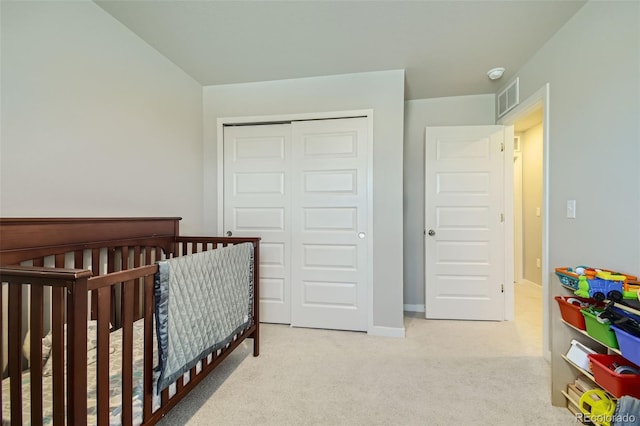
(229, 233)
(431, 232)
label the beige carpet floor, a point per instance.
(442, 373)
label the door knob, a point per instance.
(432, 232)
(229, 233)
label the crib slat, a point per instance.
(37, 305)
(125, 258)
(148, 346)
(164, 396)
(78, 259)
(95, 270)
(57, 354)
(111, 261)
(36, 372)
(57, 347)
(127, 353)
(15, 351)
(147, 256)
(95, 261)
(1, 338)
(136, 291)
(103, 296)
(77, 351)
(124, 265)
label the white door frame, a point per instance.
(283, 118)
(539, 99)
(518, 273)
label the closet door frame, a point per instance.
(274, 119)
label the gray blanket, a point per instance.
(202, 300)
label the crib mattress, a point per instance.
(115, 387)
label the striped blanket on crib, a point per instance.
(202, 300)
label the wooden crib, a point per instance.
(60, 274)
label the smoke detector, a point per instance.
(495, 73)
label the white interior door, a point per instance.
(257, 202)
(302, 187)
(464, 220)
(329, 240)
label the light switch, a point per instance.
(571, 209)
(538, 211)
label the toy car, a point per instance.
(599, 289)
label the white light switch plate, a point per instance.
(571, 209)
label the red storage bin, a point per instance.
(570, 310)
(603, 366)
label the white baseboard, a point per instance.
(414, 308)
(376, 330)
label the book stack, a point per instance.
(573, 394)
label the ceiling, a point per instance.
(445, 47)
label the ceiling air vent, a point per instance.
(509, 97)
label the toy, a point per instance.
(599, 289)
(631, 290)
(602, 284)
(597, 405)
(610, 276)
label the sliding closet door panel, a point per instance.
(329, 224)
(257, 202)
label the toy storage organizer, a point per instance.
(596, 348)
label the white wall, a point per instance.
(531, 146)
(592, 65)
(381, 91)
(452, 111)
(94, 121)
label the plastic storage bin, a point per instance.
(568, 279)
(603, 366)
(602, 332)
(629, 344)
(570, 307)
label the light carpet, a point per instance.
(441, 373)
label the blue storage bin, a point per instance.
(629, 344)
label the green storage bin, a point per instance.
(603, 333)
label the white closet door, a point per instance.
(329, 224)
(257, 202)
